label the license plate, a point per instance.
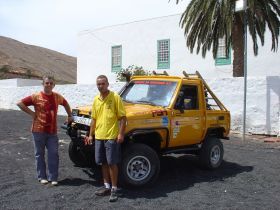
(82, 120)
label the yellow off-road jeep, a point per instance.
(166, 114)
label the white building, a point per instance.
(159, 44)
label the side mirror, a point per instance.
(180, 102)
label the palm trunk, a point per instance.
(238, 47)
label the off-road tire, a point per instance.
(140, 165)
(211, 153)
(79, 156)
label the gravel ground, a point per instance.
(249, 177)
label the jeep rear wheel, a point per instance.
(212, 152)
(140, 165)
(80, 156)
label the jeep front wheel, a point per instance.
(212, 152)
(81, 155)
(140, 165)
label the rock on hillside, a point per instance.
(19, 60)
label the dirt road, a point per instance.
(249, 177)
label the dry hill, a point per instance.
(19, 60)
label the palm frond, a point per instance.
(204, 22)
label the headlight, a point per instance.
(75, 112)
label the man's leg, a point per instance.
(113, 158)
(53, 158)
(113, 169)
(39, 147)
(105, 173)
(100, 159)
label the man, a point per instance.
(44, 128)
(108, 126)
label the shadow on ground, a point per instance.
(181, 173)
(94, 175)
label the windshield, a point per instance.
(149, 92)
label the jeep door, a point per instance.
(188, 118)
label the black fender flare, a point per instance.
(130, 136)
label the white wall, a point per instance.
(76, 95)
(263, 100)
(139, 47)
(18, 82)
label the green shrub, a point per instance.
(5, 69)
(133, 71)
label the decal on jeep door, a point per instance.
(164, 121)
(176, 128)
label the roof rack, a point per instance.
(164, 73)
(207, 91)
(188, 75)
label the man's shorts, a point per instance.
(107, 151)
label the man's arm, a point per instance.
(68, 110)
(122, 129)
(92, 131)
(24, 108)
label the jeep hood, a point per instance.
(132, 110)
(83, 110)
(142, 110)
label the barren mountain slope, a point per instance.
(27, 61)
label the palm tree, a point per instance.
(205, 21)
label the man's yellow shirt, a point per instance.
(106, 114)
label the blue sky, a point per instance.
(54, 24)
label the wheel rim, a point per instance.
(215, 155)
(138, 168)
